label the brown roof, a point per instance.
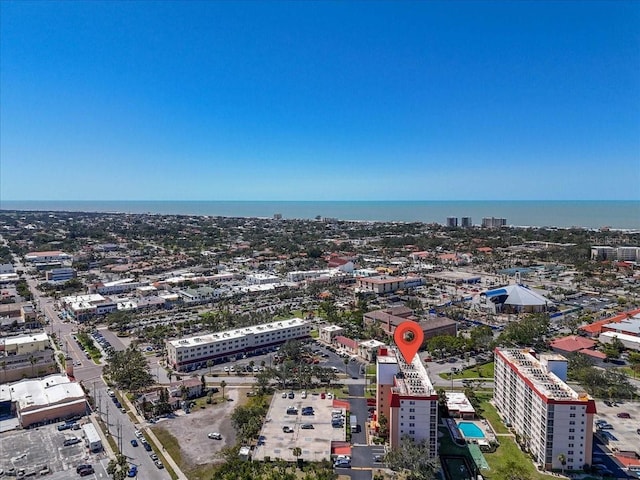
(572, 343)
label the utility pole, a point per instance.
(119, 430)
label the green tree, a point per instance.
(412, 458)
(129, 369)
(512, 470)
(32, 360)
(563, 461)
(481, 337)
(222, 385)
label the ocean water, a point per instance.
(586, 214)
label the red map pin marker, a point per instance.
(408, 337)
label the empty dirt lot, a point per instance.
(191, 430)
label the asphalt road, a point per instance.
(89, 373)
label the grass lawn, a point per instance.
(628, 371)
(507, 451)
(490, 414)
(480, 371)
(172, 447)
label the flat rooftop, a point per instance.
(238, 333)
(545, 382)
(412, 378)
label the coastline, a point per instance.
(588, 214)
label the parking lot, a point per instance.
(623, 435)
(315, 442)
(34, 449)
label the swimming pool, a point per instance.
(470, 430)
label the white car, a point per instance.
(214, 436)
(226, 369)
(303, 394)
(138, 433)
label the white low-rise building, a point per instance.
(550, 417)
(328, 333)
(262, 279)
(47, 257)
(194, 352)
(40, 401)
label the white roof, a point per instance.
(623, 337)
(91, 298)
(332, 328)
(372, 344)
(37, 393)
(35, 337)
(237, 333)
(458, 402)
(519, 295)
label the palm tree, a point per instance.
(563, 461)
(222, 385)
(32, 360)
(169, 373)
(209, 364)
(297, 451)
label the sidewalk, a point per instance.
(142, 422)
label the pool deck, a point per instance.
(484, 426)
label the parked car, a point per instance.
(83, 466)
(64, 426)
(71, 441)
(306, 426)
(159, 464)
(214, 436)
(146, 446)
(134, 443)
(133, 471)
(623, 415)
(86, 471)
(287, 429)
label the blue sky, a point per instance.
(319, 101)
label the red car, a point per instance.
(623, 415)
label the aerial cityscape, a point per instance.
(312, 240)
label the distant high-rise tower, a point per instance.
(492, 222)
(452, 221)
(466, 222)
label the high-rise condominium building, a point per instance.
(551, 419)
(406, 397)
